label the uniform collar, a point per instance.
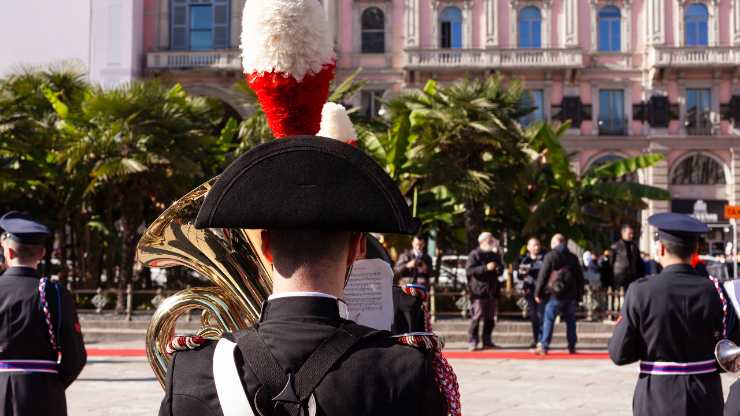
(303, 305)
(679, 268)
(22, 271)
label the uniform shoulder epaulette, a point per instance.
(185, 343)
(417, 291)
(426, 341)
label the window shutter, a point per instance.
(659, 111)
(179, 24)
(221, 24)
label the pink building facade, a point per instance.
(632, 76)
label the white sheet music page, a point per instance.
(732, 287)
(369, 294)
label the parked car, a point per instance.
(452, 271)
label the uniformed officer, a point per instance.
(670, 322)
(38, 326)
(304, 357)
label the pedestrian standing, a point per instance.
(41, 347)
(529, 267)
(626, 260)
(671, 323)
(415, 265)
(483, 268)
(560, 285)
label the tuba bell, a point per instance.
(728, 355)
(228, 258)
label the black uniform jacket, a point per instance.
(483, 283)
(674, 316)
(24, 335)
(377, 377)
(408, 313)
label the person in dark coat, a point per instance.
(483, 268)
(40, 325)
(415, 265)
(626, 260)
(670, 323)
(529, 268)
(303, 356)
(565, 301)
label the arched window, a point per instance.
(698, 169)
(450, 28)
(373, 30)
(610, 30)
(695, 23)
(530, 27)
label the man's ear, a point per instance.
(12, 253)
(357, 246)
(266, 247)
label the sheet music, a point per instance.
(369, 294)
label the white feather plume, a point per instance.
(335, 123)
(287, 36)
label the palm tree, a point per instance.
(464, 143)
(33, 103)
(559, 200)
(140, 146)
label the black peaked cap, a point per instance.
(306, 183)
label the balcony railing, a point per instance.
(713, 56)
(494, 58)
(223, 59)
(613, 127)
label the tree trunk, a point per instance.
(64, 272)
(131, 217)
(474, 215)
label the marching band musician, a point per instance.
(670, 322)
(314, 198)
(39, 323)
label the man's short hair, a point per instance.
(681, 250)
(292, 249)
(26, 253)
(484, 236)
(559, 239)
(421, 237)
(626, 226)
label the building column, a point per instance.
(435, 23)
(237, 6)
(411, 23)
(735, 12)
(163, 25)
(467, 24)
(627, 26)
(570, 31)
(655, 22)
(657, 176)
(735, 179)
(492, 23)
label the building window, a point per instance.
(698, 111)
(450, 28)
(698, 169)
(200, 25)
(530, 28)
(612, 121)
(372, 102)
(373, 30)
(610, 30)
(697, 30)
(533, 99)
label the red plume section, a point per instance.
(292, 107)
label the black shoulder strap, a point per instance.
(269, 373)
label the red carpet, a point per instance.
(495, 355)
(525, 355)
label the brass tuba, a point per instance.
(727, 355)
(228, 258)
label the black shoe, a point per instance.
(489, 346)
(571, 350)
(533, 344)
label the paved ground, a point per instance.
(125, 386)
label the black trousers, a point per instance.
(482, 310)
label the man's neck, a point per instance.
(19, 264)
(281, 284)
(672, 261)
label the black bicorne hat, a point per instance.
(306, 183)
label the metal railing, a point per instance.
(485, 58)
(613, 127)
(597, 305)
(698, 56)
(221, 59)
(105, 299)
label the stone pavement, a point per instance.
(126, 386)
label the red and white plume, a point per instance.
(288, 60)
(335, 124)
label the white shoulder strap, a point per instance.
(231, 395)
